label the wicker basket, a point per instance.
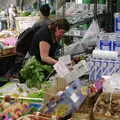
(107, 107)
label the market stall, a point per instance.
(83, 85)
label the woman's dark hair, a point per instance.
(62, 24)
(45, 10)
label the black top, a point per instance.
(42, 23)
(43, 34)
(24, 41)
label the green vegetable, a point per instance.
(37, 95)
(25, 13)
(34, 72)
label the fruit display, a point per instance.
(107, 106)
(13, 108)
(38, 116)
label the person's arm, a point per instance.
(44, 53)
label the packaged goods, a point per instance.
(117, 22)
(99, 67)
(116, 46)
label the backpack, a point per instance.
(24, 42)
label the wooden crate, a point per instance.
(80, 116)
(7, 51)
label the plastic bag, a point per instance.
(112, 84)
(75, 48)
(93, 30)
(88, 42)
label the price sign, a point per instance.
(66, 59)
(61, 68)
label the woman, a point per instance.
(44, 45)
(46, 39)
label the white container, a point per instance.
(105, 54)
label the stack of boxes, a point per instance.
(99, 66)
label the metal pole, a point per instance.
(95, 9)
(21, 4)
(45, 1)
(64, 4)
(39, 4)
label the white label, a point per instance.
(66, 59)
(118, 25)
(76, 33)
(61, 68)
(74, 97)
(78, 70)
(105, 48)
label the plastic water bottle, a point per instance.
(117, 22)
(105, 42)
(116, 43)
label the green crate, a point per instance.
(87, 1)
(101, 1)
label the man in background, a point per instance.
(44, 13)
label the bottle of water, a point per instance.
(117, 22)
(105, 43)
(116, 43)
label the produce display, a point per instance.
(67, 92)
(107, 106)
(79, 12)
(13, 110)
(61, 110)
(38, 116)
(22, 92)
(35, 73)
(7, 42)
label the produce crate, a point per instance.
(80, 116)
(7, 51)
(107, 107)
(38, 117)
(50, 93)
